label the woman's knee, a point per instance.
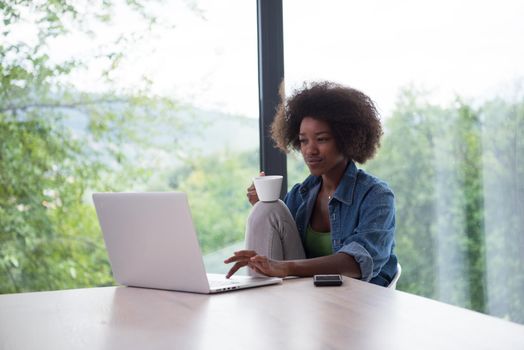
(267, 211)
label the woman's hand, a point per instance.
(252, 192)
(268, 267)
(258, 263)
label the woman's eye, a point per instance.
(302, 141)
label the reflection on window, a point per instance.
(119, 96)
(448, 80)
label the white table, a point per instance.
(295, 315)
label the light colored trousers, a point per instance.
(271, 231)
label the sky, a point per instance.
(448, 47)
(206, 54)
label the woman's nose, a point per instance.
(311, 148)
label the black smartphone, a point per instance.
(327, 280)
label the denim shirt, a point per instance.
(362, 219)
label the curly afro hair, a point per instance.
(352, 116)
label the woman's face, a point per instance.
(318, 147)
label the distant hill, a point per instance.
(218, 130)
(213, 130)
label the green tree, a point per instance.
(503, 149)
(49, 236)
(454, 171)
(216, 185)
(406, 162)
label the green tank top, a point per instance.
(318, 243)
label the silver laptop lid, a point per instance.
(151, 240)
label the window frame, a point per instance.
(270, 75)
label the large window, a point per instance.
(447, 77)
(120, 96)
(162, 95)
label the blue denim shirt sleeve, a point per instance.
(372, 239)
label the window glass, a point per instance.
(447, 78)
(120, 96)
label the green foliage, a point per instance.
(455, 172)
(405, 162)
(44, 245)
(49, 236)
(503, 149)
(216, 186)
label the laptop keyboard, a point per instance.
(222, 283)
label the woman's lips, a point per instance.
(313, 161)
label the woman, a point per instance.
(340, 220)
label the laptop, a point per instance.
(152, 243)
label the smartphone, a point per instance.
(327, 280)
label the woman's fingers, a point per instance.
(253, 200)
(235, 268)
(259, 258)
(257, 270)
(252, 192)
(240, 258)
(267, 267)
(260, 264)
(244, 252)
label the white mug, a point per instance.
(268, 187)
